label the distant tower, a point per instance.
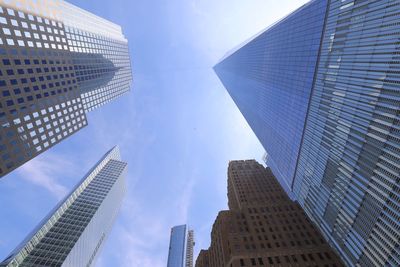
(176, 251)
(73, 233)
(57, 62)
(189, 248)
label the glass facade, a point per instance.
(74, 231)
(349, 166)
(270, 79)
(342, 160)
(57, 63)
(177, 246)
(89, 34)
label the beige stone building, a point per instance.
(263, 226)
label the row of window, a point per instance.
(294, 259)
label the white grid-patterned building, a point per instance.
(189, 248)
(74, 231)
(57, 62)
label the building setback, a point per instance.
(263, 227)
(74, 232)
(320, 89)
(57, 63)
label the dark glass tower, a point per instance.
(332, 116)
(57, 62)
(75, 230)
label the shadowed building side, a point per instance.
(92, 71)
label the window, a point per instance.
(10, 12)
(327, 255)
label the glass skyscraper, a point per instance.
(336, 149)
(57, 63)
(75, 230)
(271, 77)
(176, 251)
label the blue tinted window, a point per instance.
(270, 79)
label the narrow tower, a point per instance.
(189, 249)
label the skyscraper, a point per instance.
(189, 248)
(263, 227)
(176, 252)
(74, 232)
(180, 253)
(270, 80)
(57, 63)
(320, 89)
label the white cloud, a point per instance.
(142, 231)
(184, 201)
(45, 170)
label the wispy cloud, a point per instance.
(184, 201)
(45, 171)
(141, 234)
(138, 245)
(144, 229)
(146, 237)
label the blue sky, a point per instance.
(177, 129)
